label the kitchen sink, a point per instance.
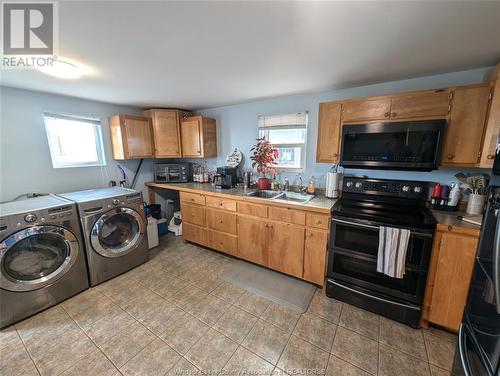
(299, 198)
(265, 193)
(295, 197)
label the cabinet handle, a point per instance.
(393, 114)
(335, 155)
(387, 114)
(490, 156)
(450, 156)
(450, 228)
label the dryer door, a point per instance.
(117, 232)
(36, 257)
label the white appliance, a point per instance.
(333, 179)
(175, 224)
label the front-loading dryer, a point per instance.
(114, 227)
(42, 257)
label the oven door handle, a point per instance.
(355, 224)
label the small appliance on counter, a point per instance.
(333, 179)
(172, 172)
(226, 177)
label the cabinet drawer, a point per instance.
(287, 215)
(221, 203)
(193, 198)
(193, 214)
(195, 234)
(221, 221)
(252, 209)
(223, 242)
(318, 220)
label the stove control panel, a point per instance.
(386, 187)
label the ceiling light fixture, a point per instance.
(61, 69)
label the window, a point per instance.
(288, 134)
(74, 141)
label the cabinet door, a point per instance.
(195, 234)
(366, 109)
(252, 240)
(315, 251)
(453, 274)
(191, 136)
(465, 129)
(423, 104)
(138, 137)
(286, 248)
(193, 214)
(221, 220)
(167, 136)
(492, 131)
(328, 143)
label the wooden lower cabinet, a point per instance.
(286, 248)
(315, 252)
(221, 221)
(450, 273)
(286, 239)
(252, 240)
(223, 242)
(195, 234)
(193, 214)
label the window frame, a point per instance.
(264, 131)
(99, 143)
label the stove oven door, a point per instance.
(353, 259)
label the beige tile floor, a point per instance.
(174, 316)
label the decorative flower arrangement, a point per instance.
(264, 157)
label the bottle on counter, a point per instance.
(436, 194)
(311, 186)
(454, 196)
(275, 184)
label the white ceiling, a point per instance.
(205, 54)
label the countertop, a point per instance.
(319, 203)
(451, 219)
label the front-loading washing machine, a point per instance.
(42, 257)
(114, 227)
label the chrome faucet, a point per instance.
(302, 189)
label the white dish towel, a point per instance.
(392, 247)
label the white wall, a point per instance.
(25, 163)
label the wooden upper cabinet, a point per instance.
(198, 137)
(328, 145)
(492, 130)
(466, 125)
(131, 137)
(366, 109)
(455, 254)
(166, 132)
(420, 104)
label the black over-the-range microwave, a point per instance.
(408, 145)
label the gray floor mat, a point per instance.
(287, 291)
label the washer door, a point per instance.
(36, 257)
(117, 232)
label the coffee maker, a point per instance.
(226, 177)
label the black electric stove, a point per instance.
(365, 205)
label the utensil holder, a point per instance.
(476, 203)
